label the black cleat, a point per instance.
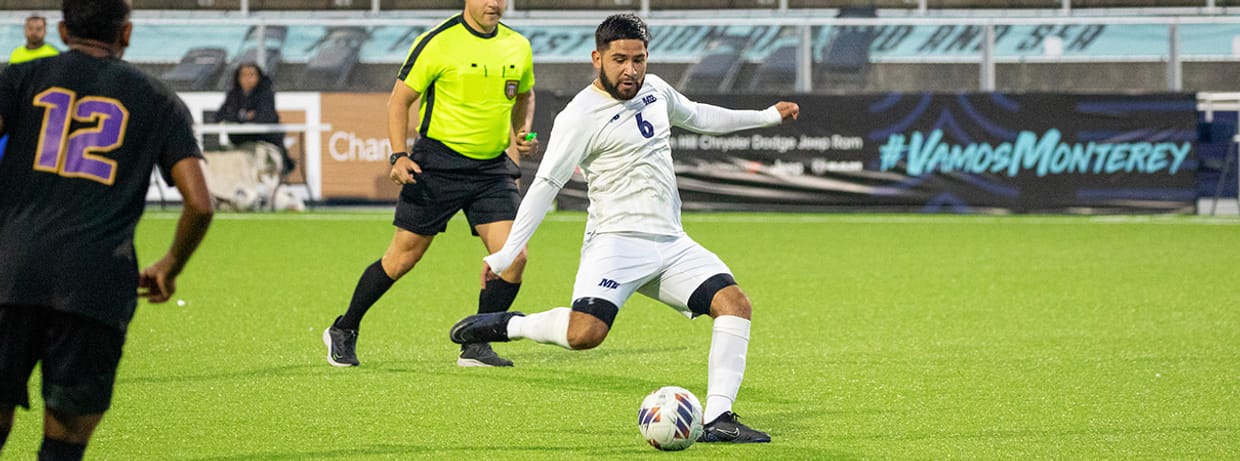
(341, 346)
(481, 355)
(482, 328)
(726, 428)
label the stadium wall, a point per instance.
(1065, 153)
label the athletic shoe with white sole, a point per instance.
(480, 355)
(341, 346)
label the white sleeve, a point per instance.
(565, 150)
(568, 146)
(534, 208)
(707, 119)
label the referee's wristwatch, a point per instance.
(396, 156)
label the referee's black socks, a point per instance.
(59, 450)
(497, 296)
(373, 284)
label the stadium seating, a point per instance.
(577, 4)
(197, 70)
(313, 5)
(711, 4)
(187, 4)
(777, 73)
(273, 39)
(694, 60)
(357, 5)
(846, 58)
(30, 4)
(718, 67)
(419, 4)
(333, 63)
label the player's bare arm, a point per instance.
(788, 110)
(522, 122)
(399, 102)
(157, 282)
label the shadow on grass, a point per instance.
(635, 451)
(1135, 433)
(284, 370)
(561, 369)
(561, 378)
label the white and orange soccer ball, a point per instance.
(670, 418)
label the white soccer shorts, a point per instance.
(666, 268)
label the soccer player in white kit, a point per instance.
(616, 130)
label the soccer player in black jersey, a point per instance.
(86, 129)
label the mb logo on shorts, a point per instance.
(609, 283)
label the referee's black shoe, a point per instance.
(341, 346)
(726, 428)
(482, 328)
(480, 355)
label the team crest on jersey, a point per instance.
(510, 88)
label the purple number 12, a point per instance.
(74, 155)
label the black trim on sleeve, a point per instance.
(417, 50)
(430, 107)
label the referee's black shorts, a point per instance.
(450, 182)
(79, 357)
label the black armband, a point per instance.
(598, 307)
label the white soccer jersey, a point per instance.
(622, 149)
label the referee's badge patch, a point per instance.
(510, 88)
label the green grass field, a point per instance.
(874, 337)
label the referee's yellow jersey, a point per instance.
(22, 54)
(468, 81)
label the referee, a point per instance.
(35, 47)
(474, 77)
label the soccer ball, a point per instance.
(670, 418)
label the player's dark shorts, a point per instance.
(450, 182)
(79, 357)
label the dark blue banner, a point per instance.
(966, 153)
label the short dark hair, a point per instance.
(36, 17)
(623, 26)
(100, 20)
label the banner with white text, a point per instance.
(956, 153)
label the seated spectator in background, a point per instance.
(252, 99)
(35, 48)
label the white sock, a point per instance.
(729, 343)
(550, 327)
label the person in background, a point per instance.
(35, 47)
(252, 99)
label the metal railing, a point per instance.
(986, 58)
